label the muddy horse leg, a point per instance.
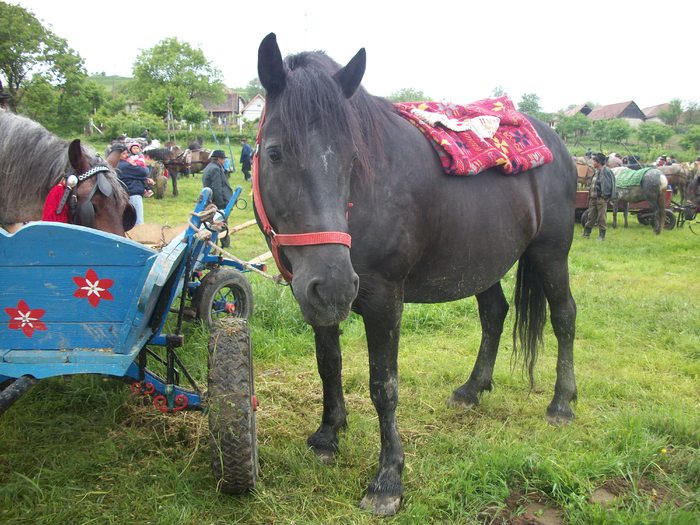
(173, 177)
(493, 309)
(324, 441)
(553, 270)
(382, 326)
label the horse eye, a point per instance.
(274, 154)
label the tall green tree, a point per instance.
(530, 104)
(45, 77)
(177, 72)
(691, 139)
(575, 126)
(253, 88)
(408, 95)
(619, 130)
(671, 114)
(654, 134)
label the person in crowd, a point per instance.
(589, 153)
(614, 161)
(602, 190)
(135, 156)
(214, 177)
(136, 180)
(246, 159)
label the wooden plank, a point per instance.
(243, 226)
(261, 258)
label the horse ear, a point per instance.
(76, 157)
(270, 66)
(351, 75)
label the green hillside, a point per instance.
(110, 82)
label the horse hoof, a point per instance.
(460, 402)
(324, 456)
(560, 420)
(381, 505)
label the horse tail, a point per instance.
(530, 315)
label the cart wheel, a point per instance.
(231, 404)
(223, 292)
(670, 220)
(584, 218)
(645, 218)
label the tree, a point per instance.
(498, 91)
(653, 133)
(253, 88)
(576, 126)
(692, 114)
(175, 70)
(408, 95)
(27, 48)
(671, 115)
(599, 132)
(619, 130)
(530, 104)
(691, 139)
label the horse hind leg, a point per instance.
(552, 272)
(493, 309)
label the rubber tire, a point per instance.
(584, 218)
(230, 404)
(644, 219)
(232, 284)
(670, 222)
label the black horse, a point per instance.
(338, 167)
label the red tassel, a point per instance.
(51, 203)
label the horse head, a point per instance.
(306, 154)
(97, 199)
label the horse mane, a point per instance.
(160, 154)
(32, 161)
(312, 95)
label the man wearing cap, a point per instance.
(246, 159)
(214, 177)
(602, 190)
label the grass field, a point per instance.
(82, 450)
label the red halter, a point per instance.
(286, 239)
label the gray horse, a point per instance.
(647, 184)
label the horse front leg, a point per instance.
(493, 309)
(173, 177)
(382, 325)
(625, 212)
(614, 221)
(324, 442)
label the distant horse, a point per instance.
(360, 215)
(33, 161)
(651, 187)
(584, 171)
(180, 161)
(678, 176)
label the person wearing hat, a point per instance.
(214, 177)
(602, 190)
(246, 159)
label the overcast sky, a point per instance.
(565, 52)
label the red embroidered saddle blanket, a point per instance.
(490, 133)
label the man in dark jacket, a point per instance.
(246, 159)
(602, 190)
(214, 177)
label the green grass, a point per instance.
(84, 451)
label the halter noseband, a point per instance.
(87, 215)
(286, 239)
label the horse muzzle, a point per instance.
(324, 284)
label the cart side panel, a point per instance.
(66, 287)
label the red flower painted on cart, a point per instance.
(25, 319)
(93, 288)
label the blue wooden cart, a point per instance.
(80, 301)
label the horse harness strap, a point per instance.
(86, 211)
(286, 239)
